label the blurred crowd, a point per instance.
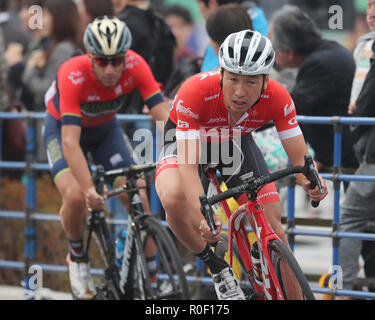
(37, 36)
(179, 38)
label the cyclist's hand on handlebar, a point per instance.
(206, 233)
(315, 193)
(94, 200)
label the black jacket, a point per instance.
(364, 136)
(323, 87)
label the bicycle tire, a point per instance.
(169, 263)
(283, 261)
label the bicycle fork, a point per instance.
(264, 234)
(96, 223)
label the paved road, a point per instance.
(18, 293)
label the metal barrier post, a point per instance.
(30, 232)
(337, 129)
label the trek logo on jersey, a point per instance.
(77, 77)
(212, 97)
(186, 111)
(216, 120)
(288, 109)
(182, 124)
(292, 121)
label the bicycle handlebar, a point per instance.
(134, 169)
(100, 174)
(253, 184)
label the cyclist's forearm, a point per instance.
(296, 149)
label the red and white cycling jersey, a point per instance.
(78, 98)
(199, 110)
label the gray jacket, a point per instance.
(38, 81)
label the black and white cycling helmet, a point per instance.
(107, 37)
(247, 53)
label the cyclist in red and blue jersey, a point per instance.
(82, 105)
(211, 121)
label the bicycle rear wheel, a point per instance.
(171, 280)
(292, 280)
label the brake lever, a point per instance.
(207, 212)
(99, 180)
(208, 215)
(313, 177)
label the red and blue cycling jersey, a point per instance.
(199, 110)
(78, 98)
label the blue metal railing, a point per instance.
(31, 216)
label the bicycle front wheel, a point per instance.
(171, 280)
(292, 280)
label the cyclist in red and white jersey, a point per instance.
(214, 112)
(82, 105)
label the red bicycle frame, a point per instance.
(254, 209)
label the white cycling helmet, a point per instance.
(107, 37)
(247, 53)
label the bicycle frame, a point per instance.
(254, 209)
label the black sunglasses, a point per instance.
(115, 61)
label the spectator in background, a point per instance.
(257, 16)
(357, 210)
(325, 74)
(12, 32)
(4, 99)
(362, 54)
(61, 26)
(208, 7)
(17, 59)
(152, 37)
(181, 23)
(91, 9)
(225, 20)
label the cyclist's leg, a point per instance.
(181, 219)
(72, 212)
(73, 209)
